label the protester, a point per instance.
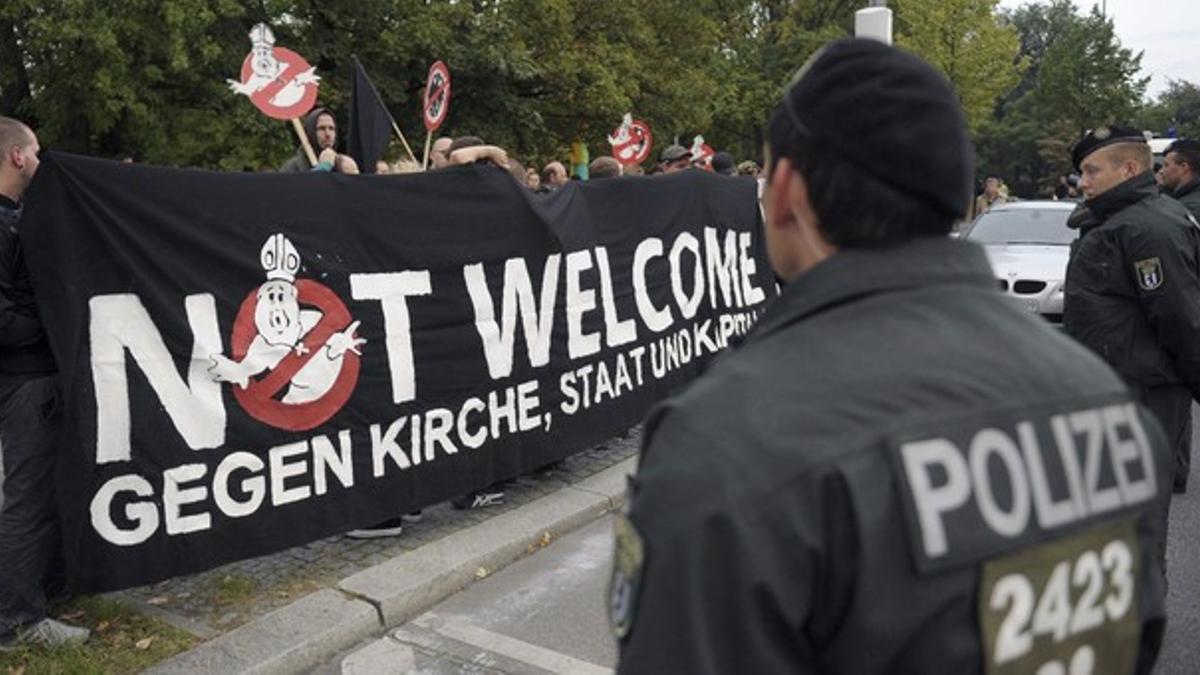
(991, 195)
(30, 547)
(748, 168)
(382, 167)
(321, 129)
(406, 165)
(439, 154)
(632, 170)
(532, 180)
(1132, 285)
(675, 158)
(722, 163)
(604, 167)
(843, 492)
(554, 175)
(1181, 173)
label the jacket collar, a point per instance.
(1124, 194)
(10, 212)
(855, 273)
(1187, 189)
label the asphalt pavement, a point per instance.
(1182, 641)
(544, 614)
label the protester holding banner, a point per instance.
(29, 416)
(897, 465)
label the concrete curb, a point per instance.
(318, 626)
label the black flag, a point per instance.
(370, 122)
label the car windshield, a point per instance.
(1023, 226)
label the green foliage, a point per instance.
(147, 78)
(1076, 76)
(966, 40)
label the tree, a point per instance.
(967, 41)
(1176, 110)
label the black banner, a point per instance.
(253, 361)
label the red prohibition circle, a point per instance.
(637, 148)
(295, 65)
(437, 96)
(258, 398)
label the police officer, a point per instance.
(1181, 173)
(898, 470)
(1133, 283)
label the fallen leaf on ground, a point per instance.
(16, 670)
(481, 573)
(545, 539)
(144, 643)
(102, 626)
(158, 600)
(72, 616)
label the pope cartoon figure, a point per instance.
(265, 67)
(281, 326)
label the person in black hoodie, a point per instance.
(1133, 281)
(321, 129)
(29, 420)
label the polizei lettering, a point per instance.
(974, 492)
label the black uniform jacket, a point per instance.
(1189, 196)
(1133, 286)
(776, 527)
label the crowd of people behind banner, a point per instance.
(829, 205)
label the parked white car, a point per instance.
(1028, 244)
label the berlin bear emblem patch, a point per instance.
(1149, 273)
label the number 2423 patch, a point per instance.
(1069, 607)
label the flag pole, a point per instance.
(308, 150)
(428, 140)
(402, 140)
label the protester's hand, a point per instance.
(491, 153)
(327, 156)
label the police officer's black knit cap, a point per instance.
(1101, 137)
(889, 114)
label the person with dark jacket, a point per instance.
(321, 129)
(1181, 173)
(1133, 281)
(29, 421)
(880, 477)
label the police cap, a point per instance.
(1101, 137)
(889, 114)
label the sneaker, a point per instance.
(47, 633)
(479, 500)
(414, 517)
(388, 528)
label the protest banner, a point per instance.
(254, 361)
(279, 82)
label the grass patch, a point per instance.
(122, 641)
(229, 589)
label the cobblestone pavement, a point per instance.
(224, 598)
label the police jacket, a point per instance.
(1133, 286)
(1189, 196)
(23, 347)
(891, 474)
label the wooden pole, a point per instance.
(402, 140)
(308, 150)
(428, 140)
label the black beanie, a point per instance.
(889, 114)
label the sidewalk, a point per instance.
(284, 612)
